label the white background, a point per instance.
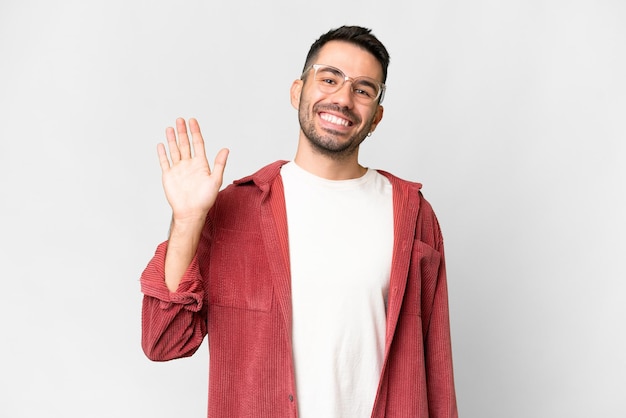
(512, 114)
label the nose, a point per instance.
(344, 97)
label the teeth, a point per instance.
(334, 119)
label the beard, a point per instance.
(328, 142)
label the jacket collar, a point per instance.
(264, 177)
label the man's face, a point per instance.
(336, 123)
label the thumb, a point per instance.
(220, 163)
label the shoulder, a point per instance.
(259, 181)
(244, 194)
(262, 177)
(409, 195)
(397, 181)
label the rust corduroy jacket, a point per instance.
(237, 290)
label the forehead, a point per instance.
(353, 60)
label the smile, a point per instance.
(336, 120)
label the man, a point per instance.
(321, 283)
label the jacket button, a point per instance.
(290, 398)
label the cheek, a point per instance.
(311, 95)
(375, 117)
(368, 117)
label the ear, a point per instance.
(378, 116)
(296, 91)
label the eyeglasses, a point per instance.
(330, 80)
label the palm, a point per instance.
(190, 186)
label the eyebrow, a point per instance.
(333, 70)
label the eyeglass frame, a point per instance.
(381, 86)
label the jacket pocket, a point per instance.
(239, 271)
(423, 274)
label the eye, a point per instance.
(364, 88)
(328, 77)
(362, 92)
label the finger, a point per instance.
(183, 139)
(196, 137)
(220, 163)
(172, 145)
(163, 161)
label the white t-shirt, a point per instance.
(340, 246)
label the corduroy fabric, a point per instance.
(237, 290)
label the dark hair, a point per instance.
(357, 35)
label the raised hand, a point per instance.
(191, 189)
(190, 185)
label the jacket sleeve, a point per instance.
(173, 323)
(438, 347)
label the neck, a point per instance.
(325, 166)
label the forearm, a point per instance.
(173, 323)
(181, 249)
(170, 331)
